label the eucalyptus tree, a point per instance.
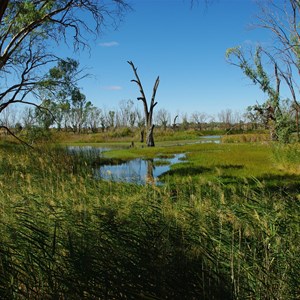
(45, 118)
(148, 108)
(79, 110)
(61, 95)
(276, 119)
(125, 110)
(281, 20)
(28, 31)
(111, 119)
(93, 118)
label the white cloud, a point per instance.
(112, 87)
(109, 44)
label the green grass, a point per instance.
(65, 235)
(276, 167)
(241, 160)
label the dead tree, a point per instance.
(174, 122)
(148, 111)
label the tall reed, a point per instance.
(65, 235)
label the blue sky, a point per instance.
(185, 46)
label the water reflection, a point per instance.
(216, 139)
(85, 149)
(138, 171)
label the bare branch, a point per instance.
(138, 82)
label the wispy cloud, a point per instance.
(112, 87)
(109, 44)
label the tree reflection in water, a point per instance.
(150, 169)
(139, 171)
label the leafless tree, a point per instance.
(162, 118)
(174, 125)
(199, 118)
(148, 111)
(8, 118)
(226, 117)
(126, 112)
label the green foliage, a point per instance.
(278, 121)
(37, 135)
(63, 97)
(284, 128)
(246, 138)
(44, 116)
(26, 13)
(122, 132)
(288, 156)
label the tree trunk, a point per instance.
(142, 135)
(150, 139)
(174, 122)
(3, 6)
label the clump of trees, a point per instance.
(62, 98)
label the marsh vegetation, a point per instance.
(224, 225)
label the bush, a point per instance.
(37, 135)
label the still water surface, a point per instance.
(138, 171)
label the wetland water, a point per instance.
(139, 170)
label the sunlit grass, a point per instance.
(241, 160)
(287, 156)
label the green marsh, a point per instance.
(65, 235)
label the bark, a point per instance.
(150, 138)
(3, 6)
(174, 122)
